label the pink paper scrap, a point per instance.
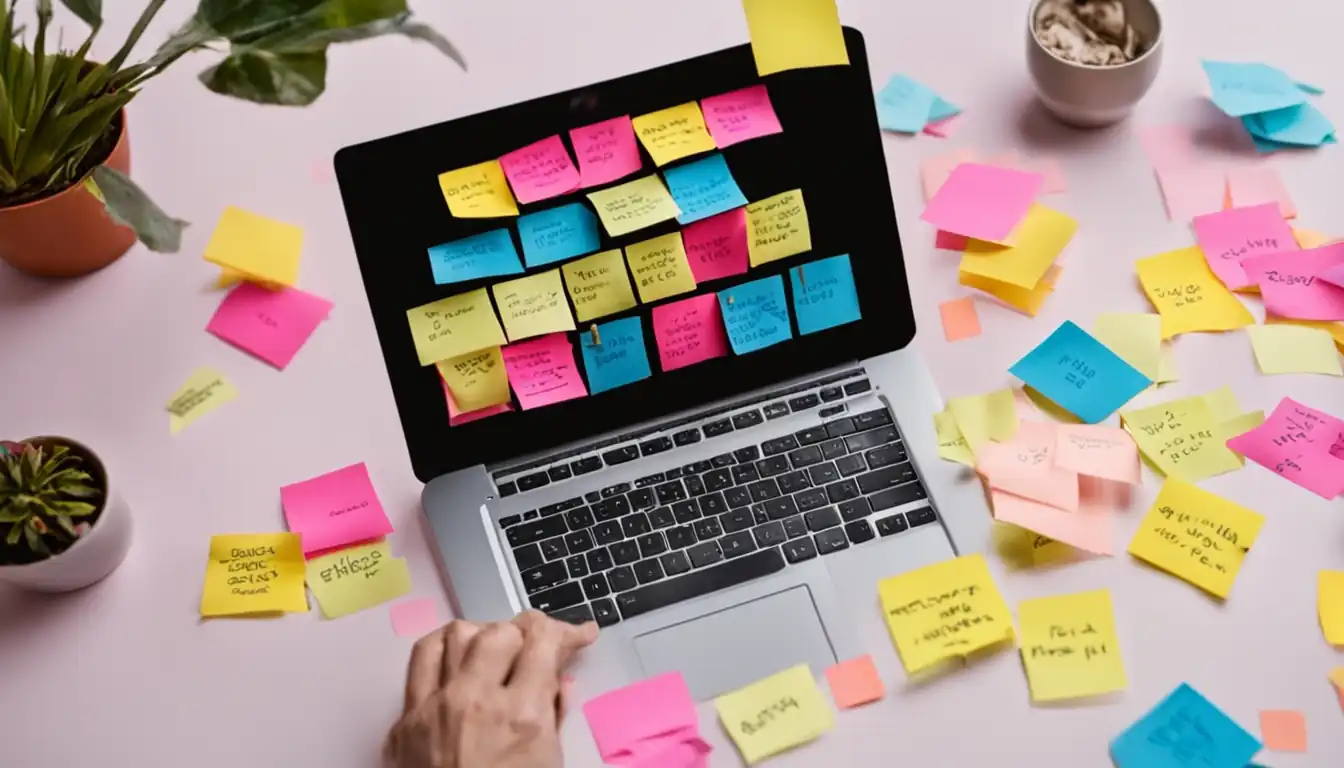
(717, 246)
(1256, 184)
(1300, 444)
(948, 241)
(944, 128)
(936, 169)
(272, 325)
(1167, 146)
(1025, 466)
(1289, 284)
(689, 331)
(335, 510)
(607, 151)
(540, 170)
(1096, 450)
(1229, 237)
(542, 371)
(457, 418)
(414, 618)
(740, 115)
(1088, 529)
(983, 201)
(1191, 190)
(639, 721)
(1334, 275)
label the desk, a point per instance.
(124, 673)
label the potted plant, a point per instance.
(63, 525)
(67, 203)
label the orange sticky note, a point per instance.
(960, 320)
(1284, 730)
(1025, 466)
(855, 682)
(1097, 450)
(1259, 184)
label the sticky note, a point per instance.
(1039, 240)
(824, 295)
(1256, 185)
(251, 573)
(1070, 647)
(983, 201)
(1135, 337)
(485, 255)
(717, 246)
(476, 379)
(1330, 605)
(1080, 374)
(854, 682)
(533, 305)
(454, 326)
(755, 314)
(1184, 729)
(540, 170)
(1196, 536)
(414, 618)
(1166, 145)
(598, 285)
(478, 192)
(557, 234)
(617, 357)
(673, 133)
(740, 116)
(775, 714)
(944, 128)
(935, 170)
(1025, 466)
(1181, 438)
(778, 228)
(903, 105)
(944, 611)
(1300, 126)
(1229, 237)
(1336, 330)
(1290, 287)
(794, 34)
(1310, 238)
(1294, 349)
(634, 205)
(1333, 275)
(1099, 451)
(606, 151)
(1191, 189)
(982, 418)
(335, 510)
(952, 446)
(1088, 528)
(1246, 88)
(703, 188)
(1300, 444)
(689, 331)
(542, 371)
(960, 320)
(660, 267)
(1239, 425)
(1186, 293)
(1021, 549)
(458, 417)
(632, 725)
(358, 578)
(272, 325)
(1028, 301)
(203, 392)
(258, 247)
(1284, 730)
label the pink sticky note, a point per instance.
(1334, 275)
(1191, 190)
(1256, 184)
(936, 169)
(1167, 146)
(1088, 529)
(1289, 284)
(740, 115)
(455, 415)
(672, 752)
(414, 618)
(1300, 444)
(641, 719)
(1096, 450)
(273, 325)
(689, 331)
(542, 371)
(944, 128)
(607, 151)
(337, 509)
(717, 246)
(983, 201)
(1229, 237)
(948, 241)
(1025, 466)
(1284, 730)
(540, 170)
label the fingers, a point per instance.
(457, 640)
(490, 657)
(565, 698)
(424, 674)
(548, 648)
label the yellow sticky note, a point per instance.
(660, 267)
(634, 205)
(1167, 371)
(1196, 535)
(1037, 242)
(1335, 329)
(794, 34)
(1020, 548)
(982, 418)
(1294, 349)
(1188, 295)
(254, 573)
(944, 611)
(775, 714)
(533, 305)
(778, 228)
(1310, 238)
(477, 379)
(1069, 646)
(1222, 404)
(478, 191)
(1135, 337)
(1026, 300)
(454, 326)
(260, 248)
(598, 285)
(357, 578)
(951, 444)
(673, 133)
(1330, 605)
(1181, 438)
(205, 390)
(1239, 425)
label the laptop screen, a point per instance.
(723, 334)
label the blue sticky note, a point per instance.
(558, 234)
(1245, 89)
(1080, 374)
(1314, 90)
(824, 295)
(756, 314)
(942, 109)
(904, 105)
(485, 255)
(1302, 125)
(620, 359)
(703, 188)
(1184, 730)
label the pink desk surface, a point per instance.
(124, 674)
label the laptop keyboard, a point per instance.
(625, 550)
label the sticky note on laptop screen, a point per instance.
(478, 192)
(914, 604)
(540, 170)
(756, 314)
(717, 246)
(660, 267)
(740, 116)
(614, 354)
(689, 331)
(1079, 374)
(599, 285)
(606, 151)
(357, 578)
(542, 371)
(778, 228)
(533, 305)
(775, 714)
(558, 234)
(250, 573)
(634, 205)
(454, 326)
(1184, 729)
(824, 295)
(703, 188)
(673, 133)
(471, 258)
(477, 379)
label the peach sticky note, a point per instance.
(983, 201)
(1284, 730)
(606, 151)
(540, 170)
(1191, 190)
(1096, 450)
(414, 618)
(1088, 529)
(960, 320)
(335, 509)
(855, 682)
(689, 331)
(936, 169)
(1258, 184)
(542, 371)
(1232, 236)
(273, 325)
(740, 115)
(1025, 466)
(717, 246)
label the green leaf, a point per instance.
(68, 526)
(34, 538)
(129, 205)
(146, 17)
(72, 508)
(13, 514)
(288, 79)
(402, 25)
(89, 11)
(15, 531)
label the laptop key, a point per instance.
(621, 455)
(711, 504)
(832, 540)
(857, 387)
(650, 480)
(811, 435)
(818, 520)
(737, 544)
(604, 613)
(758, 514)
(599, 560)
(533, 515)
(577, 566)
(842, 491)
(779, 445)
(893, 453)
(579, 541)
(811, 499)
(528, 556)
(675, 563)
(561, 506)
(607, 532)
(717, 480)
(562, 472)
(747, 455)
(871, 439)
(533, 481)
(833, 449)
(578, 614)
(615, 490)
(685, 511)
(670, 492)
(764, 490)
(717, 428)
(850, 465)
(773, 465)
(859, 531)
(745, 473)
(870, 419)
(747, 419)
(769, 535)
(686, 437)
(821, 474)
(697, 468)
(776, 410)
(700, 582)
(708, 528)
(595, 586)
(585, 465)
(854, 509)
(624, 552)
(592, 497)
(795, 527)
(804, 402)
(798, 550)
(674, 473)
(704, 554)
(841, 427)
(526, 533)
(920, 516)
(736, 520)
(664, 517)
(792, 482)
(635, 525)
(894, 524)
(887, 477)
(805, 457)
(648, 571)
(895, 497)
(622, 578)
(831, 394)
(655, 446)
(507, 520)
(828, 412)
(506, 489)
(723, 460)
(778, 509)
(681, 537)
(580, 518)
(695, 486)
(544, 577)
(737, 497)
(651, 544)
(640, 498)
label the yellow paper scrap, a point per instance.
(1181, 438)
(1188, 295)
(778, 228)
(982, 418)
(1135, 337)
(1335, 329)
(951, 444)
(1310, 238)
(254, 573)
(205, 390)
(660, 267)
(357, 578)
(477, 379)
(1294, 349)
(598, 285)
(1070, 647)
(478, 192)
(775, 714)
(1167, 371)
(258, 247)
(1196, 535)
(634, 205)
(794, 34)
(673, 133)
(944, 611)
(1025, 300)
(1330, 605)
(1037, 242)
(1223, 404)
(1021, 548)
(454, 326)
(1239, 425)
(533, 306)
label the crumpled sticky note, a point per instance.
(206, 390)
(1299, 126)
(1330, 605)
(1069, 646)
(256, 247)
(981, 418)
(250, 573)
(777, 713)
(1294, 349)
(1184, 729)
(794, 34)
(634, 724)
(1080, 374)
(1250, 87)
(335, 510)
(1300, 444)
(1188, 295)
(1038, 241)
(478, 191)
(1181, 438)
(916, 603)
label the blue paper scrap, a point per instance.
(703, 188)
(1182, 731)
(942, 109)
(1302, 125)
(558, 234)
(756, 314)
(904, 105)
(824, 295)
(485, 255)
(1314, 90)
(1245, 89)
(620, 359)
(1080, 374)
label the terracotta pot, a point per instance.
(68, 234)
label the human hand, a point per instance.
(486, 696)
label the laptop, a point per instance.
(725, 520)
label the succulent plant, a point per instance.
(44, 493)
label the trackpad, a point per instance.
(727, 649)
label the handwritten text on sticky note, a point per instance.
(778, 228)
(1069, 646)
(673, 133)
(756, 314)
(615, 355)
(478, 191)
(533, 305)
(540, 170)
(634, 205)
(542, 371)
(335, 509)
(717, 247)
(660, 267)
(1300, 444)
(206, 390)
(598, 285)
(476, 379)
(606, 151)
(1080, 374)
(485, 255)
(1186, 293)
(557, 234)
(824, 294)
(944, 611)
(357, 578)
(775, 714)
(454, 326)
(689, 331)
(1184, 729)
(740, 115)
(254, 573)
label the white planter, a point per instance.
(95, 555)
